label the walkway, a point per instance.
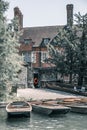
(40, 94)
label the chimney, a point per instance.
(69, 8)
(18, 13)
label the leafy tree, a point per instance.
(63, 51)
(82, 47)
(10, 61)
(56, 58)
(70, 45)
(72, 40)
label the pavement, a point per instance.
(41, 94)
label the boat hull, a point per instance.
(50, 110)
(18, 114)
(79, 109)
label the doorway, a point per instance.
(36, 80)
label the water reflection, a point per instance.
(17, 123)
(69, 121)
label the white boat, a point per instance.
(18, 108)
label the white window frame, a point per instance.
(44, 55)
(27, 55)
(33, 57)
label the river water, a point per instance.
(70, 121)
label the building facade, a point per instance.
(33, 49)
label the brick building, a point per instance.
(33, 48)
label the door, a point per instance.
(36, 80)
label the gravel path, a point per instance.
(40, 94)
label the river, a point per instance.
(70, 121)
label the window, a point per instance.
(26, 57)
(33, 57)
(27, 41)
(46, 40)
(44, 55)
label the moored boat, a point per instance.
(18, 108)
(78, 108)
(48, 109)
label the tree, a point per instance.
(10, 61)
(70, 45)
(73, 42)
(82, 47)
(56, 57)
(63, 51)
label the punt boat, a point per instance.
(18, 108)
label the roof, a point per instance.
(38, 33)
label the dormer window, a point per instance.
(27, 41)
(46, 40)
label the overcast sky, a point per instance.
(45, 12)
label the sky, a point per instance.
(45, 12)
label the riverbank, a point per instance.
(35, 94)
(41, 94)
(30, 94)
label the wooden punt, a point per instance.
(49, 109)
(18, 108)
(78, 108)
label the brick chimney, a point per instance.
(18, 13)
(69, 9)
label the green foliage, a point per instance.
(3, 8)
(82, 47)
(10, 61)
(68, 50)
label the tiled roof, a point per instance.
(38, 33)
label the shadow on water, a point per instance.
(17, 123)
(17, 119)
(40, 115)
